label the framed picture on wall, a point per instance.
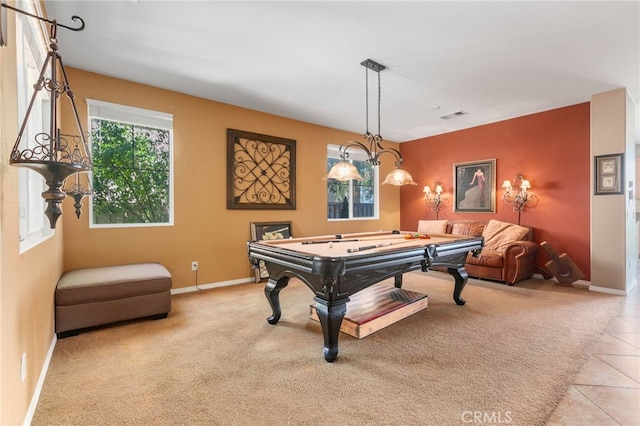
(475, 186)
(608, 174)
(268, 231)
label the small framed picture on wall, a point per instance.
(609, 174)
(268, 231)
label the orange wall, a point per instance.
(551, 149)
(204, 229)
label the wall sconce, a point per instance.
(516, 193)
(345, 170)
(434, 198)
(54, 155)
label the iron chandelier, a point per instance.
(345, 170)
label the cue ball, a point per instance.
(330, 245)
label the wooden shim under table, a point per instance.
(377, 307)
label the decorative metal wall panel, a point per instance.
(261, 171)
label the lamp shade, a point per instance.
(399, 177)
(343, 171)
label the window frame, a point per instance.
(333, 151)
(134, 116)
(31, 51)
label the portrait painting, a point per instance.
(475, 186)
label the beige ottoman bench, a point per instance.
(96, 296)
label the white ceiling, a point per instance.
(493, 60)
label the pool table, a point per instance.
(337, 266)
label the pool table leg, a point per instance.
(460, 276)
(272, 291)
(397, 281)
(330, 315)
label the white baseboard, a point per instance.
(582, 284)
(608, 290)
(579, 283)
(38, 390)
(587, 286)
(211, 285)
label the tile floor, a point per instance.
(607, 389)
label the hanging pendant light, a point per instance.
(345, 170)
(399, 177)
(78, 190)
(53, 155)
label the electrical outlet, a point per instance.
(194, 265)
(23, 366)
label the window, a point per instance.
(132, 166)
(31, 52)
(352, 199)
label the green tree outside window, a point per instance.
(131, 173)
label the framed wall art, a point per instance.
(261, 171)
(268, 231)
(609, 174)
(475, 186)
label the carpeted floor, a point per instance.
(509, 354)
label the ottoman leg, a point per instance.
(159, 316)
(68, 333)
